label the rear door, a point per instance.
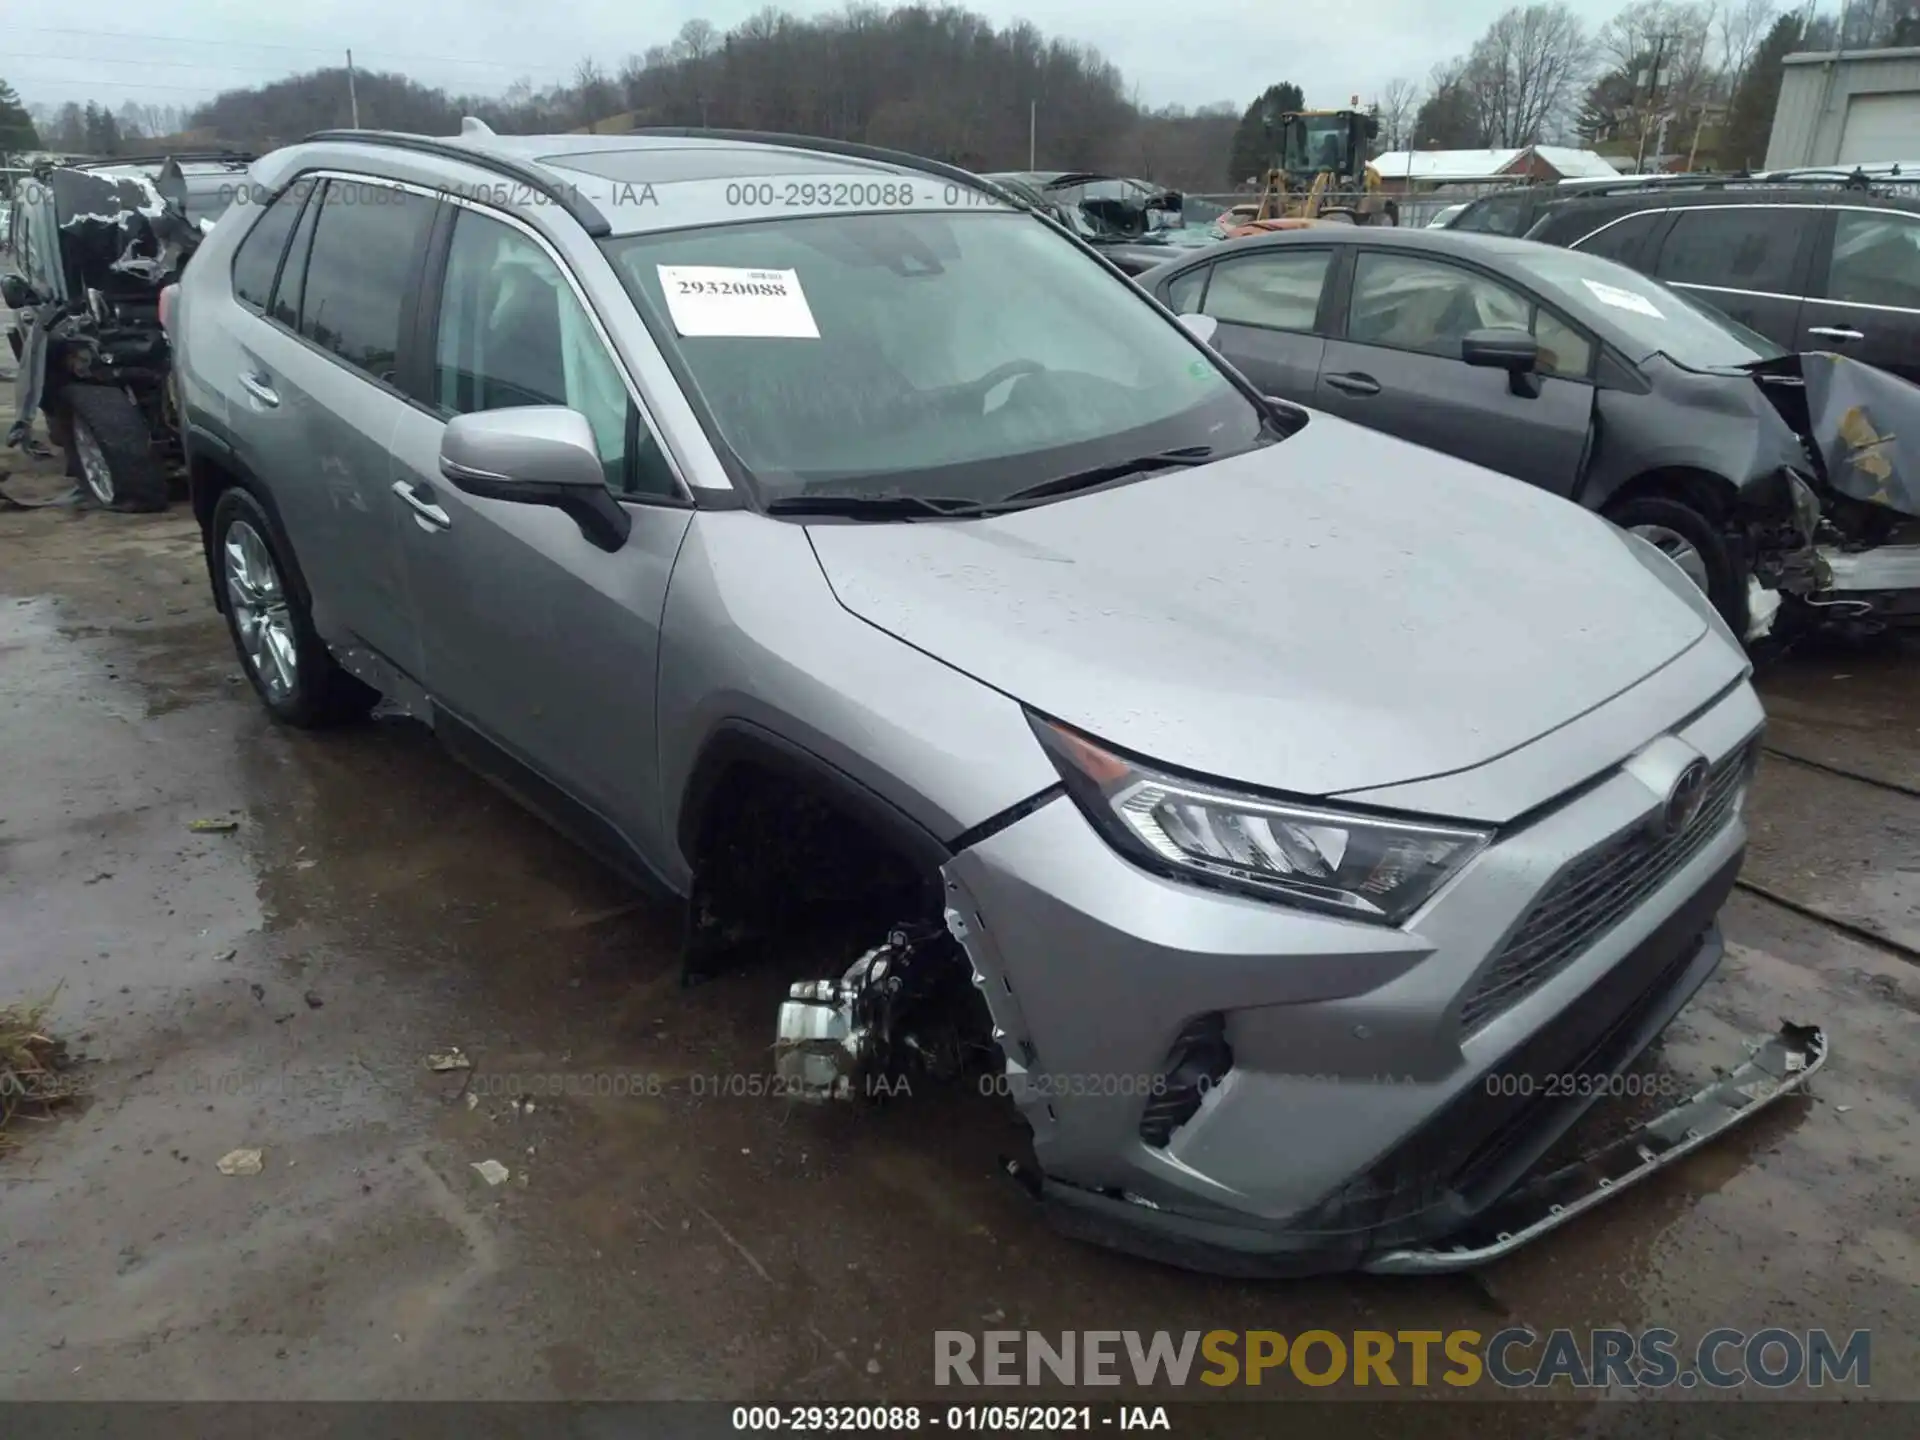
(1749, 261)
(534, 639)
(1394, 364)
(319, 383)
(1865, 303)
(1269, 305)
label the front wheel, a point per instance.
(1695, 544)
(285, 659)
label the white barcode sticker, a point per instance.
(722, 300)
(1623, 299)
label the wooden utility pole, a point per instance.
(353, 98)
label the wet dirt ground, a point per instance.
(278, 986)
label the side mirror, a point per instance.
(172, 185)
(1202, 327)
(535, 455)
(15, 293)
(1514, 351)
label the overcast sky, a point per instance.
(1191, 53)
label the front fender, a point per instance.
(756, 648)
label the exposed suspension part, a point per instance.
(900, 1012)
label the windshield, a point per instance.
(1643, 315)
(1316, 142)
(962, 355)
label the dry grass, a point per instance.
(34, 1067)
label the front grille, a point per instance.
(1597, 893)
(1463, 1154)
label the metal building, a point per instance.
(1847, 108)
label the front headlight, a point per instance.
(1364, 867)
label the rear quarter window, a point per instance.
(1623, 239)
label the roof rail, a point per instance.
(849, 148)
(185, 157)
(1739, 179)
(533, 177)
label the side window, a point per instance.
(1430, 306)
(513, 332)
(1734, 247)
(1277, 289)
(1876, 259)
(258, 258)
(1496, 215)
(1183, 295)
(1623, 239)
(293, 270)
(366, 239)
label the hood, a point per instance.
(1866, 424)
(1337, 611)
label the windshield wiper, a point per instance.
(1118, 470)
(878, 507)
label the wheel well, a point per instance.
(777, 837)
(208, 478)
(1712, 495)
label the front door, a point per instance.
(1398, 369)
(537, 641)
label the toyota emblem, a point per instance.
(1683, 801)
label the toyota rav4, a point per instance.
(1275, 807)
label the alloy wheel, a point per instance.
(94, 469)
(1677, 548)
(258, 602)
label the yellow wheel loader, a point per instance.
(1322, 174)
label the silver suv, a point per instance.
(1278, 810)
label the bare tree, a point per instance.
(1740, 26)
(593, 92)
(1662, 51)
(696, 41)
(1399, 102)
(1523, 76)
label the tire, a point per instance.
(1677, 527)
(265, 601)
(111, 454)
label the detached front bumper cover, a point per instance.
(1779, 1065)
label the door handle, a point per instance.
(426, 514)
(1355, 384)
(1835, 332)
(257, 386)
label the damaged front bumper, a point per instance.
(1777, 1066)
(1242, 1088)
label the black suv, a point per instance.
(1811, 266)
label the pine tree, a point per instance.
(1750, 114)
(1258, 138)
(17, 130)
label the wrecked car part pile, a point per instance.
(98, 248)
